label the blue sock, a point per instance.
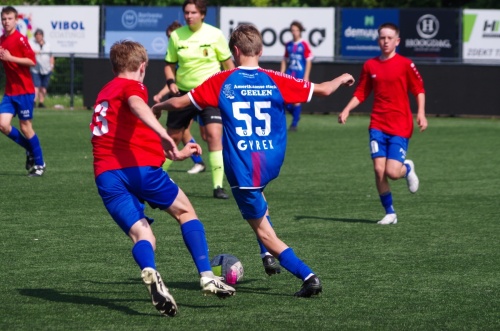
(36, 150)
(19, 139)
(194, 237)
(143, 254)
(408, 168)
(263, 250)
(292, 263)
(296, 115)
(195, 158)
(386, 199)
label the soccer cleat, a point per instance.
(292, 128)
(30, 161)
(197, 168)
(219, 193)
(216, 286)
(271, 266)
(36, 171)
(388, 219)
(310, 287)
(160, 297)
(411, 178)
(41, 105)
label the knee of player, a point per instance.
(392, 174)
(5, 128)
(267, 236)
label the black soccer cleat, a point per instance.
(310, 287)
(36, 171)
(161, 298)
(219, 193)
(30, 161)
(271, 266)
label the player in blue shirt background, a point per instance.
(252, 102)
(297, 62)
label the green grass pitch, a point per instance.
(65, 265)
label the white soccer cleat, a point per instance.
(216, 286)
(197, 168)
(411, 178)
(388, 219)
(36, 171)
(160, 297)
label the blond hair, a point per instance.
(247, 39)
(126, 55)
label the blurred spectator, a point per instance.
(42, 71)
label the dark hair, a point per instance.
(389, 25)
(38, 31)
(201, 5)
(173, 26)
(298, 25)
(8, 10)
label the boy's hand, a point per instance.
(188, 150)
(343, 117)
(347, 79)
(156, 111)
(157, 97)
(422, 122)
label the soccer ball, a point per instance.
(228, 267)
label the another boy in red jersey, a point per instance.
(390, 76)
(17, 57)
(129, 147)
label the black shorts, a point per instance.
(180, 119)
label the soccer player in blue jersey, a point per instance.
(252, 103)
(297, 62)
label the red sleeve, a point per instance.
(26, 50)
(286, 51)
(207, 94)
(138, 89)
(415, 81)
(293, 90)
(307, 51)
(365, 86)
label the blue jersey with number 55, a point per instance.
(252, 103)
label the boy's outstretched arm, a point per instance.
(326, 88)
(143, 112)
(174, 103)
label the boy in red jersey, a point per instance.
(390, 76)
(17, 57)
(129, 148)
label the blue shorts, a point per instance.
(124, 192)
(251, 202)
(41, 80)
(20, 105)
(388, 146)
(198, 119)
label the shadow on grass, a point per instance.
(14, 174)
(57, 296)
(335, 219)
(242, 286)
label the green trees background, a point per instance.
(279, 3)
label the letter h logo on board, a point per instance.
(493, 26)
